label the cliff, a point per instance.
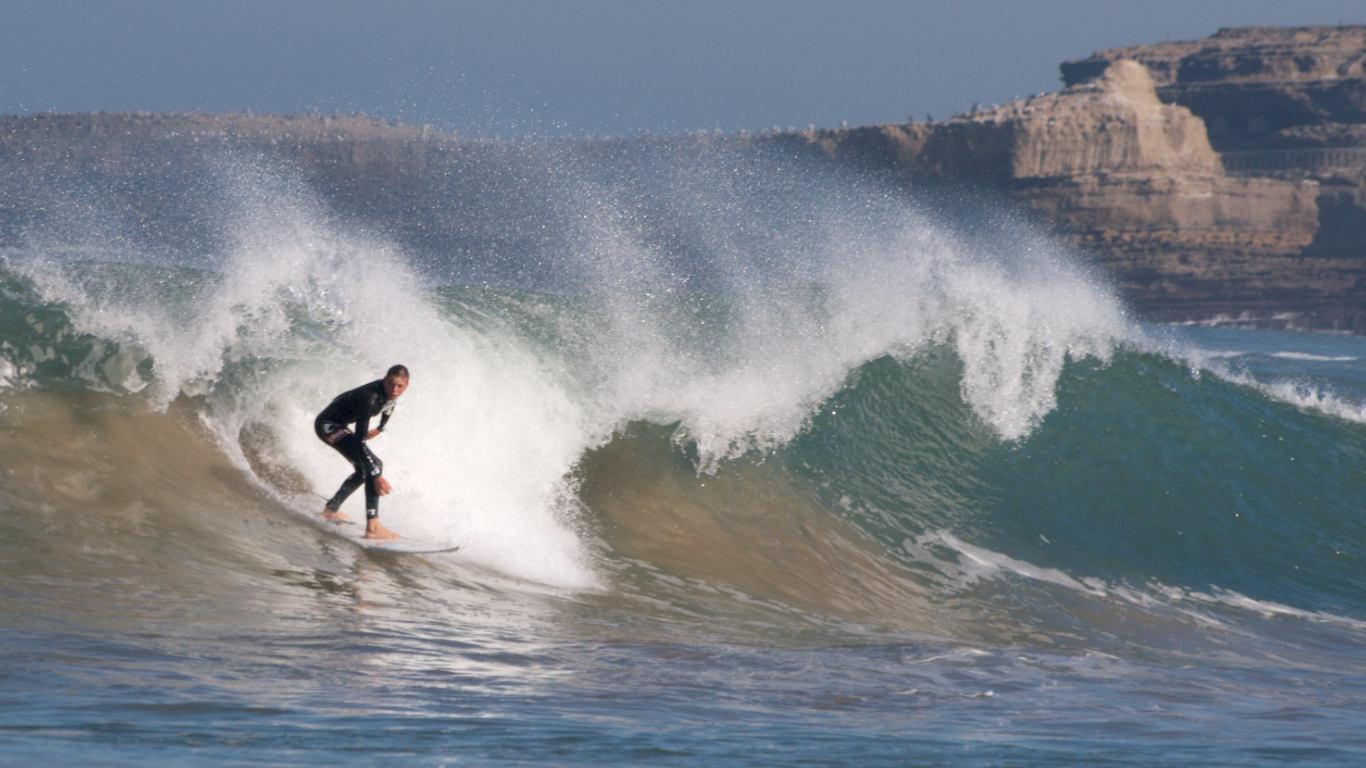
(1279, 103)
(1256, 87)
(1135, 184)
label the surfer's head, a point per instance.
(395, 381)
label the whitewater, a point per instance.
(751, 463)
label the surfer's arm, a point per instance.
(383, 421)
(363, 430)
(378, 429)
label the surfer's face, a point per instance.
(394, 386)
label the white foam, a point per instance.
(974, 564)
(1312, 397)
(1300, 393)
(1309, 357)
(1264, 608)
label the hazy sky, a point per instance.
(518, 68)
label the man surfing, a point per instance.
(357, 406)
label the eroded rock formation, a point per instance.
(1281, 103)
(1135, 184)
(1258, 88)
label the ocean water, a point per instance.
(746, 471)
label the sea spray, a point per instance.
(739, 292)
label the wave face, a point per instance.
(918, 402)
(725, 388)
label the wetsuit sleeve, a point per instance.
(363, 419)
(384, 418)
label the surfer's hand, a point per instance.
(371, 434)
(382, 486)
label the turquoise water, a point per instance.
(928, 497)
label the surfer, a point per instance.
(358, 406)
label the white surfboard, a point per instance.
(355, 531)
(405, 545)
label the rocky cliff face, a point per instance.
(1280, 103)
(1113, 123)
(1135, 184)
(1256, 86)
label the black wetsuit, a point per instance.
(356, 407)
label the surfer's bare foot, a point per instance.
(335, 516)
(373, 530)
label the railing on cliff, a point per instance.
(1305, 159)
